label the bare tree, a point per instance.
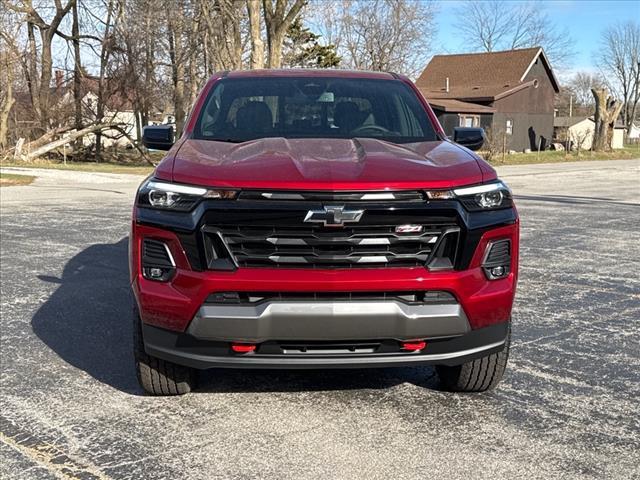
(579, 139)
(40, 61)
(175, 34)
(580, 86)
(494, 25)
(607, 112)
(11, 61)
(107, 43)
(619, 61)
(278, 15)
(221, 24)
(7, 99)
(390, 35)
(257, 45)
(575, 97)
(495, 144)
(77, 68)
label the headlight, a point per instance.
(489, 196)
(177, 197)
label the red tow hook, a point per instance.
(243, 347)
(413, 346)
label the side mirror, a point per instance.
(472, 138)
(158, 137)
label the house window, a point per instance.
(509, 129)
(469, 120)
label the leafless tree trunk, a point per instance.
(607, 112)
(77, 69)
(105, 53)
(6, 96)
(175, 31)
(277, 20)
(40, 85)
(620, 63)
(257, 45)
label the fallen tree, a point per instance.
(44, 145)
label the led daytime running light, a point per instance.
(461, 192)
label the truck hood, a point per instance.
(325, 164)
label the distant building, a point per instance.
(511, 93)
(118, 108)
(574, 132)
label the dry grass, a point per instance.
(628, 152)
(10, 179)
(105, 167)
(122, 162)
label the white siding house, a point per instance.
(578, 132)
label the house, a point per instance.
(634, 133)
(118, 108)
(577, 133)
(510, 94)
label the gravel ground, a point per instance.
(568, 407)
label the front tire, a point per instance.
(156, 376)
(478, 375)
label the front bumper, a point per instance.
(184, 349)
(327, 321)
(179, 325)
(173, 305)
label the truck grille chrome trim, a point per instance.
(311, 246)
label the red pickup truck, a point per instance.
(320, 219)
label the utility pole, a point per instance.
(570, 105)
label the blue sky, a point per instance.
(584, 20)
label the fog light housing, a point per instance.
(497, 259)
(157, 262)
(498, 272)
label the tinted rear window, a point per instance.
(238, 110)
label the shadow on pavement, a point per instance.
(238, 381)
(87, 322)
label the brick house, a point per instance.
(509, 93)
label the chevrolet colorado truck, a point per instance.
(320, 219)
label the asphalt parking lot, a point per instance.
(568, 407)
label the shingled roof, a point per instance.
(480, 76)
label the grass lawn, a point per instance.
(136, 169)
(9, 179)
(628, 152)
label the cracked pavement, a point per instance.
(567, 408)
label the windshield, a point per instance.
(244, 109)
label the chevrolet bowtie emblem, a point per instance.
(333, 216)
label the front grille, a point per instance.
(316, 246)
